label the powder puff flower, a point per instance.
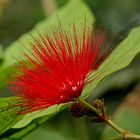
(59, 66)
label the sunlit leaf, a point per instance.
(120, 58)
(31, 116)
(9, 111)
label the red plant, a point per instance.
(59, 67)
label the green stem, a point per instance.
(114, 126)
(126, 137)
(130, 136)
(89, 106)
(124, 133)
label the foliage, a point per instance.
(15, 126)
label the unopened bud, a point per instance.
(78, 110)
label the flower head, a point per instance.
(59, 67)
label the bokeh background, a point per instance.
(121, 90)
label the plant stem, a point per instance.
(126, 135)
(114, 126)
(130, 136)
(89, 106)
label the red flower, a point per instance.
(59, 67)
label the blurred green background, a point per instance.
(121, 90)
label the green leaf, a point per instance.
(120, 58)
(5, 75)
(1, 52)
(119, 80)
(19, 133)
(62, 129)
(9, 113)
(73, 12)
(61, 126)
(36, 114)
